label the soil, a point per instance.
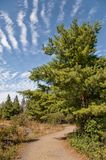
(51, 147)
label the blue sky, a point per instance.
(25, 26)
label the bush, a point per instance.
(20, 120)
(92, 127)
(54, 118)
(90, 146)
(10, 136)
(8, 154)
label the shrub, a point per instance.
(90, 146)
(54, 118)
(20, 120)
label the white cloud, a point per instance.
(101, 52)
(9, 29)
(3, 96)
(46, 13)
(2, 60)
(1, 49)
(21, 24)
(26, 4)
(34, 21)
(14, 75)
(103, 19)
(43, 15)
(7, 75)
(25, 75)
(76, 7)
(19, 85)
(62, 13)
(50, 7)
(92, 12)
(14, 81)
(3, 40)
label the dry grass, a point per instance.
(5, 123)
(41, 128)
(18, 131)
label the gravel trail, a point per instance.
(51, 147)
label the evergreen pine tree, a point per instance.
(7, 109)
(75, 78)
(16, 106)
(23, 104)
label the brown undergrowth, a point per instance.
(14, 133)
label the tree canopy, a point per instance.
(76, 76)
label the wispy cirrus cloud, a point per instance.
(34, 21)
(26, 4)
(62, 13)
(103, 19)
(43, 15)
(76, 7)
(46, 13)
(9, 29)
(91, 13)
(4, 41)
(7, 75)
(2, 60)
(1, 49)
(14, 81)
(21, 24)
(101, 52)
(25, 75)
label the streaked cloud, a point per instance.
(43, 15)
(7, 75)
(2, 60)
(46, 13)
(34, 21)
(20, 81)
(26, 4)
(3, 40)
(21, 24)
(9, 29)
(62, 13)
(92, 12)
(76, 7)
(1, 49)
(25, 75)
(101, 52)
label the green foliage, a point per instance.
(90, 146)
(8, 154)
(96, 112)
(9, 108)
(75, 77)
(54, 118)
(16, 106)
(92, 127)
(8, 137)
(73, 85)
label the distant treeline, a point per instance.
(11, 108)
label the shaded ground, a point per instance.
(51, 147)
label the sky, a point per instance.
(25, 26)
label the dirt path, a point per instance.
(50, 147)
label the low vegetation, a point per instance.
(19, 130)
